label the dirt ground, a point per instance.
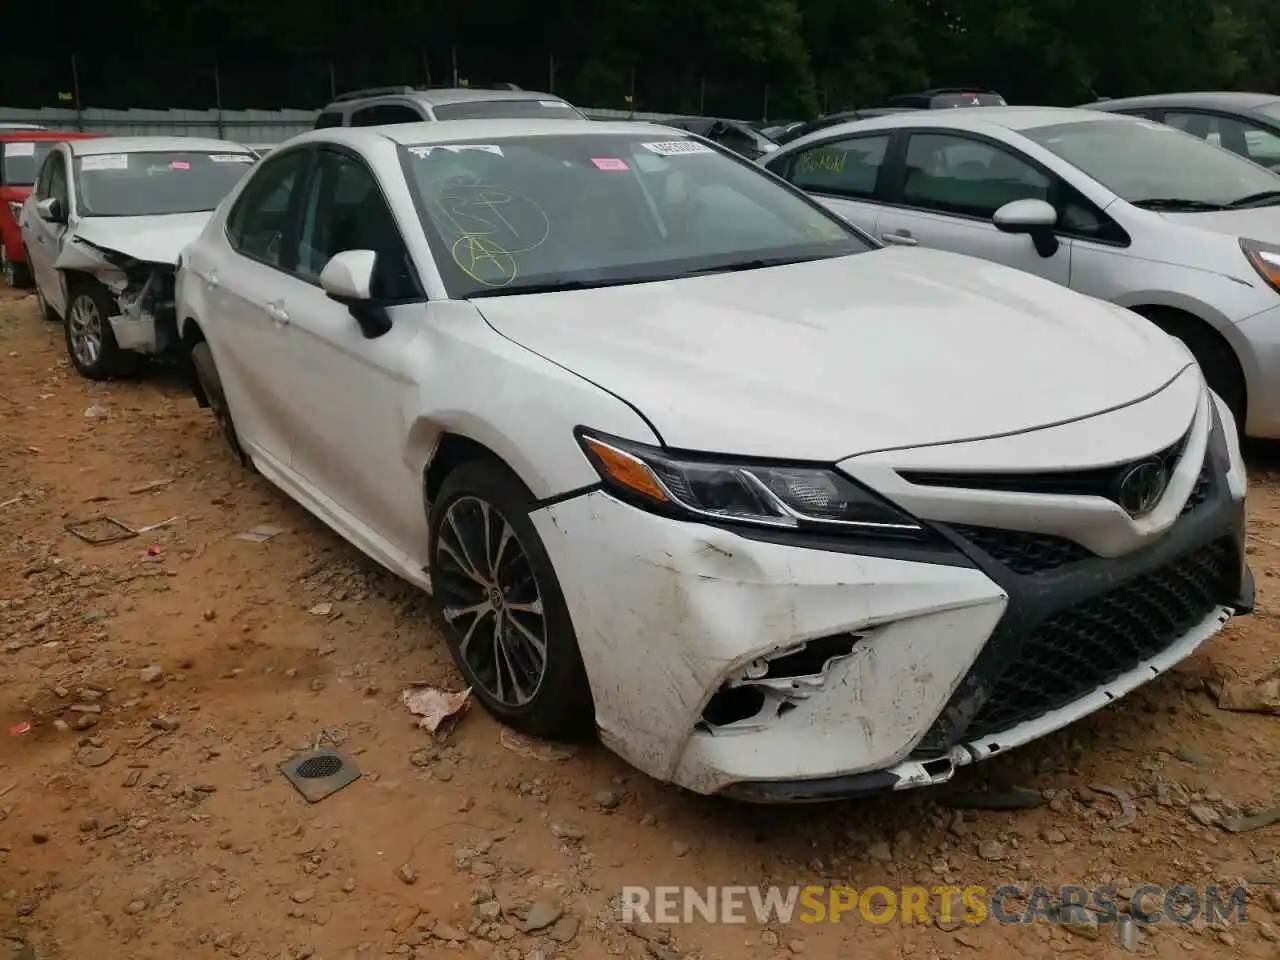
(150, 689)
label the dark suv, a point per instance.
(382, 105)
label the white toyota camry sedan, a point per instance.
(686, 459)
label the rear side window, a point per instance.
(839, 168)
(384, 113)
(329, 118)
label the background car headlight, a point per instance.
(1265, 258)
(759, 494)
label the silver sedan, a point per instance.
(1123, 209)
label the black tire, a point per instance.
(1217, 360)
(206, 373)
(559, 706)
(16, 275)
(91, 345)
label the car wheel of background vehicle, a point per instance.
(1217, 360)
(91, 345)
(16, 275)
(211, 384)
(505, 617)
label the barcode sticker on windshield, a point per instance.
(426, 151)
(25, 149)
(674, 148)
(230, 158)
(553, 103)
(105, 161)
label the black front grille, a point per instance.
(1023, 553)
(1083, 647)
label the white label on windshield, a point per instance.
(553, 103)
(230, 158)
(674, 148)
(105, 161)
(425, 151)
(24, 149)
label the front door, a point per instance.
(950, 190)
(43, 238)
(351, 398)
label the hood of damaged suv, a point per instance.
(827, 359)
(149, 239)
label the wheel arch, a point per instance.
(1176, 321)
(442, 451)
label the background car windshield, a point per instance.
(155, 183)
(1140, 160)
(505, 110)
(22, 159)
(968, 100)
(611, 208)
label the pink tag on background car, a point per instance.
(610, 163)
(180, 165)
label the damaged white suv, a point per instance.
(103, 230)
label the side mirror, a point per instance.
(348, 279)
(51, 210)
(1035, 218)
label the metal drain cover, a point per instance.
(319, 774)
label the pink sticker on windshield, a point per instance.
(180, 165)
(610, 163)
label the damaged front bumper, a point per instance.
(146, 321)
(774, 671)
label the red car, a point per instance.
(21, 153)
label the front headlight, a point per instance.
(1265, 258)
(786, 496)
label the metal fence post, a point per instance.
(217, 96)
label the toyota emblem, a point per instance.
(1142, 487)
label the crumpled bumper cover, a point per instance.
(666, 612)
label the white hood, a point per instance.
(152, 239)
(1258, 223)
(827, 359)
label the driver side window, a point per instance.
(53, 179)
(346, 210)
(956, 175)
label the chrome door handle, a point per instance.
(899, 238)
(277, 313)
(211, 279)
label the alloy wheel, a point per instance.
(84, 321)
(490, 596)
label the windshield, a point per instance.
(1141, 161)
(547, 211)
(505, 110)
(22, 158)
(156, 183)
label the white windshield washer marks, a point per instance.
(425, 151)
(20, 148)
(230, 158)
(105, 161)
(675, 148)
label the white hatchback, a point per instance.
(684, 457)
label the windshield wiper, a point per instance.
(756, 264)
(558, 286)
(1264, 198)
(1176, 203)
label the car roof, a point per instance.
(82, 148)
(12, 133)
(1224, 99)
(445, 95)
(976, 120)
(448, 131)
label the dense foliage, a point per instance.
(743, 58)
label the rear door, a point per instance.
(947, 190)
(845, 174)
